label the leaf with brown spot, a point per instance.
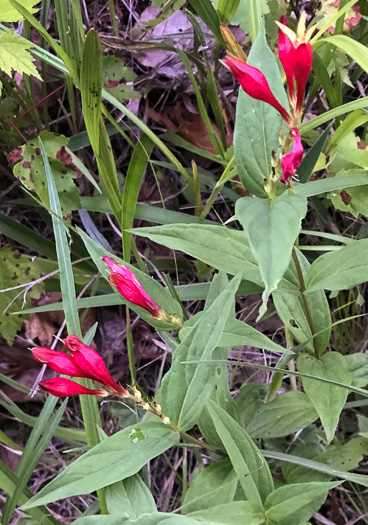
(15, 269)
(31, 171)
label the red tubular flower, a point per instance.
(255, 84)
(130, 288)
(61, 387)
(91, 364)
(296, 56)
(58, 361)
(292, 161)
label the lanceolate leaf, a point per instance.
(272, 227)
(340, 270)
(252, 470)
(295, 504)
(222, 248)
(114, 459)
(258, 124)
(187, 387)
(327, 399)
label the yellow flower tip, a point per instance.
(300, 31)
(288, 32)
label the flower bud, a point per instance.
(58, 361)
(61, 387)
(131, 289)
(255, 84)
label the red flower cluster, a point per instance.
(295, 52)
(131, 289)
(84, 362)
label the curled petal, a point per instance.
(61, 387)
(92, 364)
(255, 84)
(131, 289)
(292, 161)
(58, 361)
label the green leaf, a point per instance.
(258, 124)
(207, 13)
(137, 167)
(14, 54)
(9, 14)
(353, 48)
(130, 496)
(116, 458)
(158, 293)
(311, 158)
(327, 399)
(339, 270)
(316, 466)
(31, 171)
(91, 90)
(249, 400)
(294, 504)
(272, 227)
(284, 415)
(238, 333)
(187, 387)
(214, 485)
(345, 180)
(358, 366)
(248, 463)
(234, 513)
(289, 304)
(16, 270)
(218, 246)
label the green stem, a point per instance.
(129, 340)
(305, 301)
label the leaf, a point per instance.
(272, 227)
(238, 333)
(234, 513)
(248, 463)
(290, 307)
(187, 387)
(214, 485)
(284, 415)
(158, 293)
(258, 124)
(31, 171)
(130, 496)
(116, 458)
(341, 269)
(14, 54)
(310, 160)
(327, 399)
(294, 504)
(15, 270)
(351, 47)
(218, 246)
(316, 466)
(345, 180)
(10, 14)
(249, 400)
(158, 518)
(358, 367)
